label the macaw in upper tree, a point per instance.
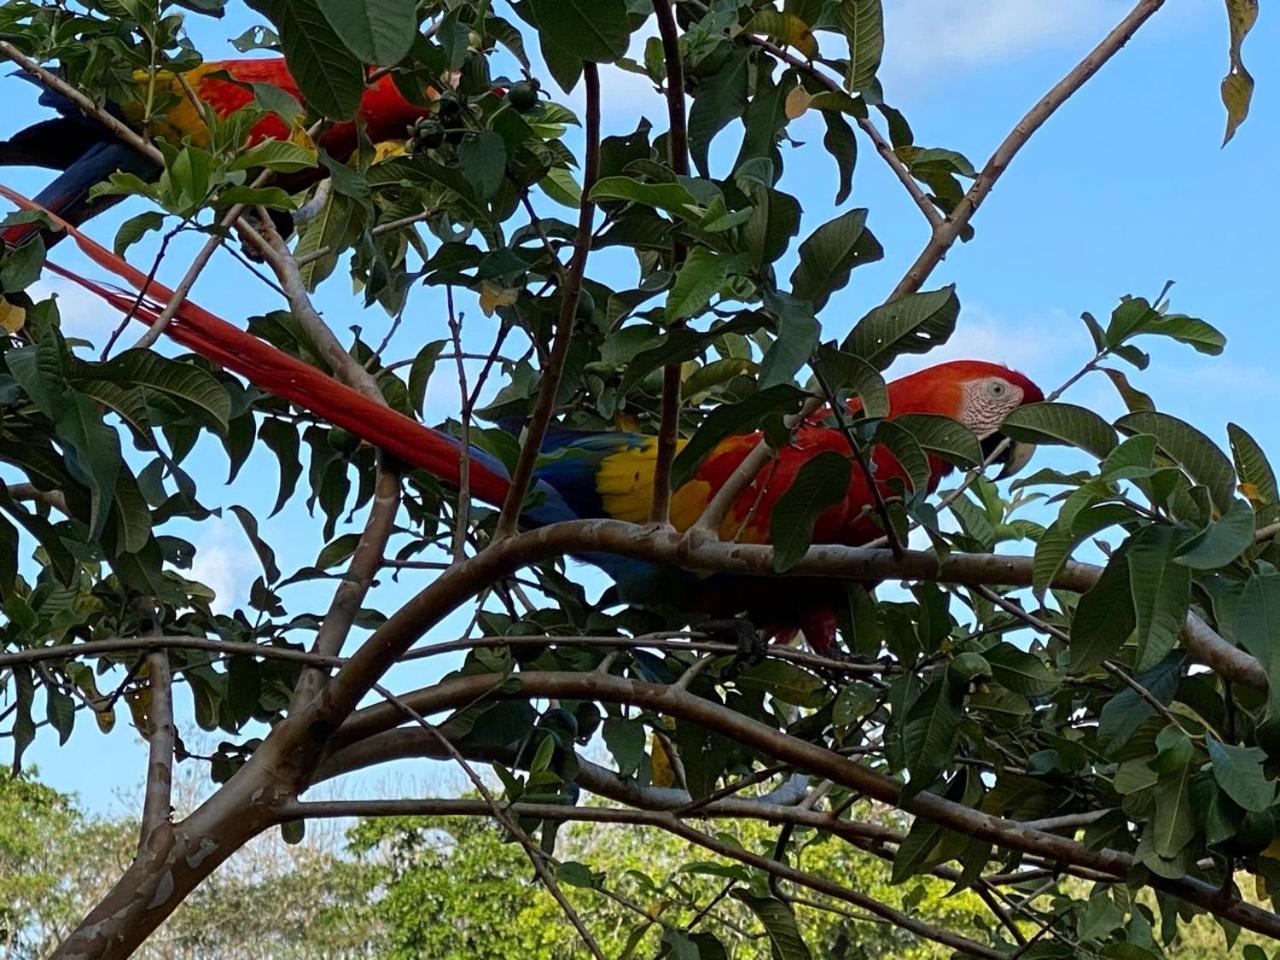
(610, 474)
(87, 152)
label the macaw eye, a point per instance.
(997, 389)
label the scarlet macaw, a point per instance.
(87, 152)
(611, 474)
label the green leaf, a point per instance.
(424, 364)
(183, 382)
(1104, 618)
(779, 921)
(698, 279)
(625, 740)
(329, 231)
(1222, 541)
(665, 196)
(820, 483)
(1134, 399)
(841, 144)
(1257, 479)
(862, 22)
(1020, 671)
(591, 29)
(731, 419)
(930, 731)
(683, 344)
(1161, 592)
(786, 28)
(916, 323)
(281, 156)
(1068, 532)
(722, 97)
(329, 77)
(830, 254)
(949, 439)
(1257, 628)
(134, 229)
(843, 370)
(784, 681)
(907, 450)
(379, 32)
(265, 554)
(796, 340)
(1237, 85)
(1190, 448)
(1241, 775)
(1061, 423)
(282, 439)
(483, 160)
(1173, 822)
(1136, 317)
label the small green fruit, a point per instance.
(344, 441)
(523, 96)
(970, 667)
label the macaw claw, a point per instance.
(742, 633)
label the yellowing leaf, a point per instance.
(492, 297)
(387, 150)
(1250, 492)
(798, 101)
(664, 774)
(786, 28)
(12, 317)
(1237, 85)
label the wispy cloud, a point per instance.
(933, 38)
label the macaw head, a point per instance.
(976, 393)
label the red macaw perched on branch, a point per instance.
(87, 152)
(611, 474)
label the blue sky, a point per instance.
(1125, 188)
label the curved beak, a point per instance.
(1016, 458)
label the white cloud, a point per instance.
(932, 38)
(225, 562)
(1041, 346)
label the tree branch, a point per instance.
(501, 814)
(945, 235)
(158, 796)
(678, 147)
(400, 631)
(810, 757)
(545, 404)
(663, 821)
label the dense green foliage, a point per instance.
(972, 703)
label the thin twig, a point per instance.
(570, 293)
(860, 457)
(946, 235)
(464, 445)
(536, 856)
(678, 148)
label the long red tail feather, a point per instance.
(275, 371)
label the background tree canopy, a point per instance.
(1014, 754)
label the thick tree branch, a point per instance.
(810, 757)
(545, 404)
(462, 581)
(157, 801)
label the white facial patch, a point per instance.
(986, 403)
